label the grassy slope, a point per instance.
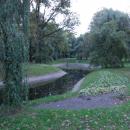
(37, 70)
(41, 69)
(115, 118)
(90, 78)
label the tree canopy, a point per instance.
(107, 42)
(45, 22)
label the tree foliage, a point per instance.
(52, 47)
(45, 22)
(108, 38)
(13, 29)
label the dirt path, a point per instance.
(41, 80)
(76, 103)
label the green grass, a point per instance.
(114, 118)
(40, 69)
(107, 78)
(52, 98)
(36, 70)
(105, 81)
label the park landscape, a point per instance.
(52, 79)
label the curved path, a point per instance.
(77, 103)
(41, 80)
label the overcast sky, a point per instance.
(87, 8)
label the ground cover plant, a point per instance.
(107, 82)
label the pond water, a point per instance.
(59, 86)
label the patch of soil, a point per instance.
(76, 103)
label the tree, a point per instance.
(46, 12)
(52, 47)
(13, 29)
(87, 45)
(107, 15)
(109, 32)
(72, 41)
(80, 47)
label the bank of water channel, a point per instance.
(59, 86)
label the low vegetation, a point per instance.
(116, 118)
(106, 82)
(41, 69)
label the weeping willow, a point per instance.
(14, 15)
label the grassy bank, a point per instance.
(40, 69)
(105, 81)
(36, 70)
(114, 118)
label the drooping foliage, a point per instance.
(109, 46)
(14, 39)
(107, 43)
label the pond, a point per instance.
(59, 86)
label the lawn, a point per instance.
(41, 69)
(114, 118)
(36, 70)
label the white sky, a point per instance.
(87, 8)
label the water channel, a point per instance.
(60, 86)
